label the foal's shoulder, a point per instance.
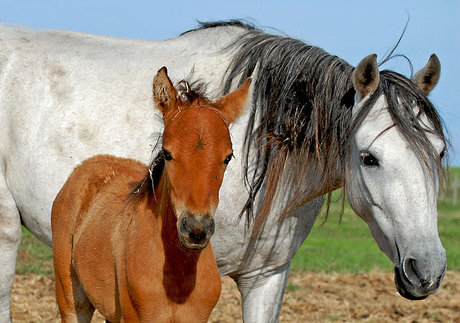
(110, 162)
(109, 166)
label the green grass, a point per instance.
(335, 246)
(34, 256)
(449, 231)
(332, 247)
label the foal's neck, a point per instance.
(179, 270)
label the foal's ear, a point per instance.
(164, 93)
(427, 78)
(231, 105)
(366, 76)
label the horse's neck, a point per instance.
(302, 185)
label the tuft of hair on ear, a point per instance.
(427, 78)
(164, 92)
(366, 76)
(231, 105)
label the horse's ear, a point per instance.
(366, 76)
(231, 105)
(164, 92)
(427, 78)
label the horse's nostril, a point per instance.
(414, 276)
(414, 269)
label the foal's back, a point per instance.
(100, 183)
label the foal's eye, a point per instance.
(227, 160)
(368, 159)
(167, 156)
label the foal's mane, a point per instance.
(303, 99)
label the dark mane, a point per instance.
(303, 99)
(152, 177)
(227, 23)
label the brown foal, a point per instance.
(132, 241)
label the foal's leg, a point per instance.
(74, 305)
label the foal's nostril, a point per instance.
(211, 228)
(197, 236)
(183, 228)
(197, 228)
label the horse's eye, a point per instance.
(368, 159)
(167, 156)
(227, 160)
(442, 154)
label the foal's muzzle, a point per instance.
(195, 230)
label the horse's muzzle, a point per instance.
(413, 284)
(195, 230)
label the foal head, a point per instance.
(196, 150)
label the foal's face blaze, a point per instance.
(195, 165)
(391, 187)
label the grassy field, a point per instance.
(335, 246)
(34, 256)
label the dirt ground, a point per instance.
(310, 297)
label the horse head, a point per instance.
(392, 177)
(196, 150)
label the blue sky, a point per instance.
(348, 29)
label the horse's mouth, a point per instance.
(403, 289)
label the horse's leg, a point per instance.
(10, 237)
(262, 296)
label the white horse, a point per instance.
(315, 124)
